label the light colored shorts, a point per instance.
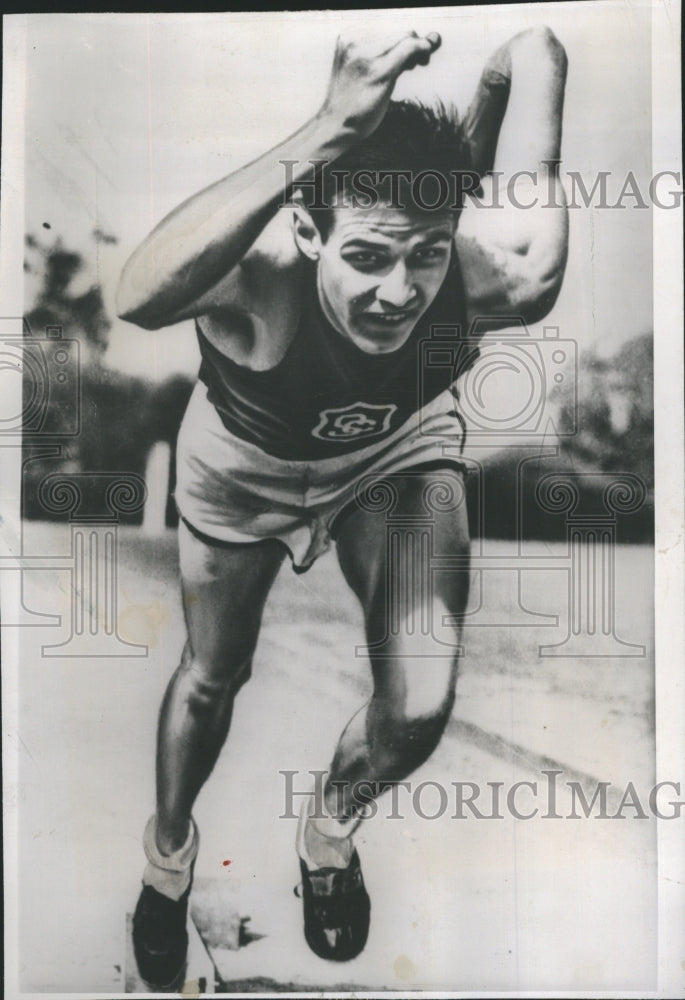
(229, 490)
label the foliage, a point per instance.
(605, 425)
(615, 412)
(80, 315)
(121, 416)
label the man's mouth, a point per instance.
(390, 319)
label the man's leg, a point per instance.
(224, 591)
(413, 653)
(414, 663)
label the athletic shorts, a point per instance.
(228, 490)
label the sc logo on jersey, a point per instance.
(359, 420)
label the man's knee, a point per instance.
(414, 721)
(212, 682)
(409, 742)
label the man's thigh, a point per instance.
(404, 523)
(225, 587)
(391, 559)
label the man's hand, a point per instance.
(364, 76)
(189, 258)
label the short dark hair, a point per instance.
(427, 142)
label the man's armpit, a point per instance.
(231, 331)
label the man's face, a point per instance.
(379, 271)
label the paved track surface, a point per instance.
(458, 904)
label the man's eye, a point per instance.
(363, 257)
(430, 255)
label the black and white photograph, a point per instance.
(341, 509)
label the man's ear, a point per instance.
(307, 236)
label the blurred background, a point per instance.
(127, 115)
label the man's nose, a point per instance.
(397, 289)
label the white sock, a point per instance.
(324, 842)
(169, 874)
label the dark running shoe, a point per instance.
(160, 938)
(336, 910)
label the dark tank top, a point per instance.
(326, 397)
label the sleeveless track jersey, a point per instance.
(326, 397)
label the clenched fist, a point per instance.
(364, 75)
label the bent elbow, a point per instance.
(133, 307)
(138, 317)
(538, 300)
(545, 266)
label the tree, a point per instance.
(121, 416)
(84, 315)
(614, 412)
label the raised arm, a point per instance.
(513, 256)
(203, 243)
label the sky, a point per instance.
(126, 115)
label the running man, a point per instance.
(310, 316)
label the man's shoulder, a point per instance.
(253, 312)
(274, 251)
(268, 272)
